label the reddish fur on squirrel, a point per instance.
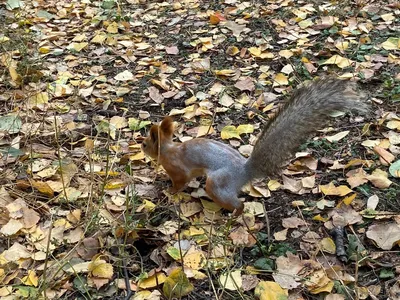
(226, 169)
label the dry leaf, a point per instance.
(384, 235)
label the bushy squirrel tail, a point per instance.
(305, 112)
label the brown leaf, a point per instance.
(384, 156)
(155, 95)
(384, 235)
(293, 222)
(245, 84)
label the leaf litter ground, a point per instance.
(84, 214)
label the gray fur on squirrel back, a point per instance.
(307, 111)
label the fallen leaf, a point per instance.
(338, 136)
(245, 84)
(229, 132)
(394, 169)
(385, 156)
(177, 285)
(293, 222)
(372, 202)
(331, 190)
(280, 79)
(341, 62)
(124, 76)
(384, 235)
(269, 290)
(100, 268)
(231, 281)
(379, 179)
(155, 95)
(31, 279)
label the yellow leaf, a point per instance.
(112, 28)
(31, 279)
(268, 107)
(39, 100)
(266, 54)
(319, 218)
(280, 79)
(379, 179)
(77, 46)
(5, 291)
(231, 280)
(44, 49)
(204, 130)
(148, 205)
(331, 190)
(273, 185)
(115, 184)
(305, 23)
(341, 62)
(286, 53)
(326, 288)
(349, 199)
(269, 290)
(391, 43)
(225, 72)
(43, 188)
(137, 156)
(100, 268)
(177, 284)
(328, 245)
(152, 281)
(98, 39)
(298, 203)
(210, 205)
(14, 74)
(342, 45)
(255, 51)
(248, 128)
(229, 132)
(195, 260)
(4, 39)
(232, 50)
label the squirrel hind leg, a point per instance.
(224, 196)
(178, 184)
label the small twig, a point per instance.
(129, 292)
(268, 225)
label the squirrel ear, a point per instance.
(167, 127)
(154, 133)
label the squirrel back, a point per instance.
(307, 110)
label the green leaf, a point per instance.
(108, 4)
(11, 4)
(174, 253)
(12, 151)
(386, 273)
(394, 169)
(10, 124)
(27, 292)
(264, 264)
(135, 124)
(45, 14)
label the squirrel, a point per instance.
(226, 169)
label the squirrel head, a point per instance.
(162, 133)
